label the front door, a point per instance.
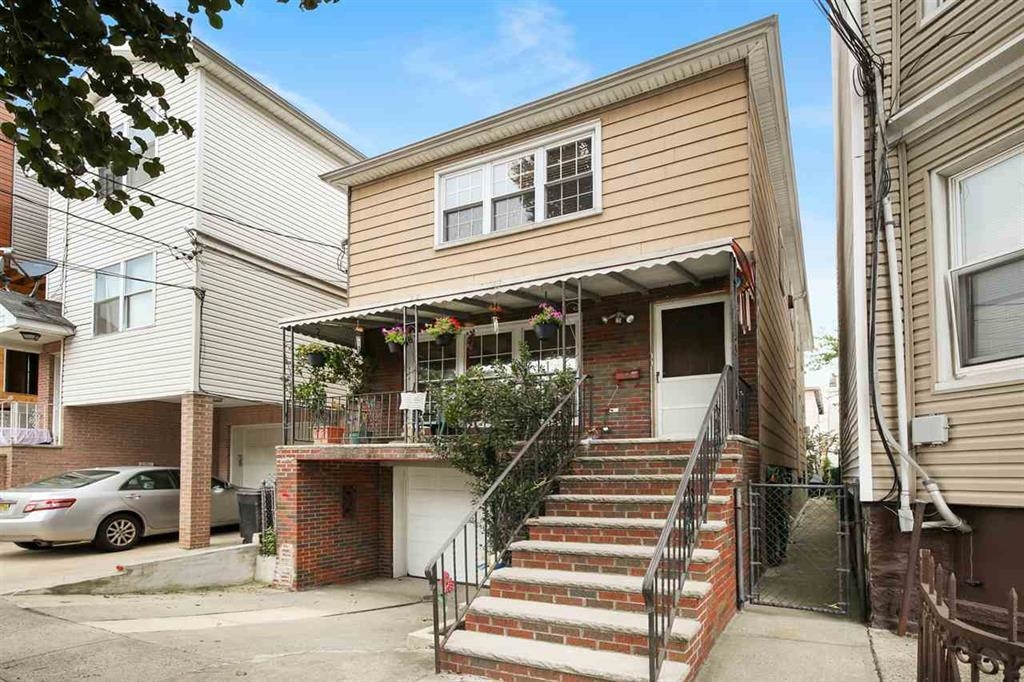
(253, 454)
(691, 346)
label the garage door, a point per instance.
(438, 499)
(253, 450)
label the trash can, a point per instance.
(248, 513)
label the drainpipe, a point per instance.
(906, 517)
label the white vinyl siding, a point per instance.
(241, 342)
(260, 171)
(28, 216)
(154, 361)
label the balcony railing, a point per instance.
(24, 423)
(360, 418)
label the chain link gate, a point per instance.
(797, 546)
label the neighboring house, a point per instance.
(951, 385)
(175, 358)
(821, 407)
(27, 322)
(630, 203)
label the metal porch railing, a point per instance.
(479, 545)
(668, 569)
(359, 418)
(15, 414)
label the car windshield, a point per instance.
(73, 479)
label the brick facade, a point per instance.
(196, 470)
(322, 542)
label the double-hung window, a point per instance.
(986, 275)
(553, 179)
(143, 142)
(124, 295)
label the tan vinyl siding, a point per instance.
(934, 50)
(675, 173)
(983, 462)
(780, 368)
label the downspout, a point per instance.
(949, 519)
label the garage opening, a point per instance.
(436, 500)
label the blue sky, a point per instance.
(383, 74)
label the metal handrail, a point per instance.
(669, 566)
(561, 430)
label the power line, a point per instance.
(177, 251)
(85, 268)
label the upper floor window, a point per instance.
(930, 8)
(986, 274)
(555, 178)
(144, 143)
(124, 295)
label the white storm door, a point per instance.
(691, 346)
(438, 500)
(253, 454)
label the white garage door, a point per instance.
(253, 451)
(438, 499)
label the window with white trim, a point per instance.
(932, 7)
(124, 295)
(504, 191)
(143, 142)
(986, 274)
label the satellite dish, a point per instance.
(35, 269)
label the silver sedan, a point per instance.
(112, 507)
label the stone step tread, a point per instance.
(572, 660)
(628, 499)
(635, 477)
(614, 522)
(590, 581)
(605, 620)
(700, 556)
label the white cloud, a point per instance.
(532, 53)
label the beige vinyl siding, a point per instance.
(983, 462)
(260, 171)
(675, 173)
(241, 342)
(151, 362)
(28, 220)
(779, 365)
(934, 50)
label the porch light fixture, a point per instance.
(359, 337)
(31, 336)
(618, 318)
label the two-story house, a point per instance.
(944, 306)
(655, 209)
(175, 359)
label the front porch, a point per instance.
(652, 335)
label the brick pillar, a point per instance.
(196, 470)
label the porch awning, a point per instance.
(638, 275)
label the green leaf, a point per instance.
(136, 212)
(146, 199)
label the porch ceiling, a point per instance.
(637, 276)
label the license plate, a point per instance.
(4, 506)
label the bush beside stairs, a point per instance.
(570, 608)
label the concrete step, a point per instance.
(600, 629)
(594, 557)
(466, 649)
(619, 506)
(626, 484)
(608, 529)
(578, 588)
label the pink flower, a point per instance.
(447, 584)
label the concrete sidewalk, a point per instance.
(766, 643)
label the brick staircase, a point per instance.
(570, 608)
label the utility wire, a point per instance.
(85, 268)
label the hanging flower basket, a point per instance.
(395, 337)
(546, 322)
(443, 330)
(316, 358)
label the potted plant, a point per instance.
(395, 337)
(315, 355)
(443, 330)
(319, 365)
(546, 322)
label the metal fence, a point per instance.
(267, 506)
(798, 551)
(949, 649)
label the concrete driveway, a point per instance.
(24, 569)
(352, 632)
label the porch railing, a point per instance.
(358, 418)
(479, 545)
(669, 566)
(948, 648)
(15, 414)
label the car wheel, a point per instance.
(34, 545)
(118, 532)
